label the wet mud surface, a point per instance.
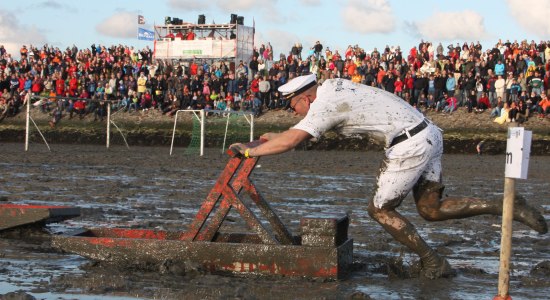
(144, 187)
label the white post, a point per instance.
(506, 238)
(251, 127)
(174, 133)
(518, 149)
(225, 134)
(27, 123)
(203, 117)
(108, 124)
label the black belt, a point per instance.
(398, 139)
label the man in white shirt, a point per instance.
(413, 150)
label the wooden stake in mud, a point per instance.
(506, 239)
(518, 148)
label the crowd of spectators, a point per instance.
(509, 79)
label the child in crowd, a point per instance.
(497, 109)
(124, 103)
(451, 104)
(504, 115)
(428, 102)
(221, 105)
(483, 103)
(135, 102)
(515, 90)
(237, 101)
(228, 107)
(280, 101)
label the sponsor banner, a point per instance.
(144, 34)
(195, 49)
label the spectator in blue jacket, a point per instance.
(450, 85)
(499, 68)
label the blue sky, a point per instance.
(336, 23)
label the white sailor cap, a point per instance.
(297, 85)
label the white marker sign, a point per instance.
(518, 149)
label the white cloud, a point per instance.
(370, 16)
(310, 2)
(265, 8)
(274, 16)
(13, 35)
(185, 5)
(228, 6)
(532, 16)
(53, 5)
(50, 4)
(120, 25)
(244, 5)
(262, 9)
(465, 25)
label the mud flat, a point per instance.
(144, 187)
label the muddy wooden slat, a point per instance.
(14, 215)
(210, 203)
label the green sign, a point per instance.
(192, 52)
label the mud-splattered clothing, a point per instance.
(355, 109)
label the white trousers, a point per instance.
(418, 156)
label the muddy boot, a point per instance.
(435, 266)
(529, 216)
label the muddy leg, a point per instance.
(431, 207)
(433, 266)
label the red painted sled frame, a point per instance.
(322, 251)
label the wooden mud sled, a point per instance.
(323, 250)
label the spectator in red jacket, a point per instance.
(37, 85)
(73, 86)
(398, 85)
(79, 108)
(409, 83)
(451, 104)
(193, 68)
(60, 87)
(483, 103)
(255, 85)
(190, 35)
(22, 78)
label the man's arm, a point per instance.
(278, 143)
